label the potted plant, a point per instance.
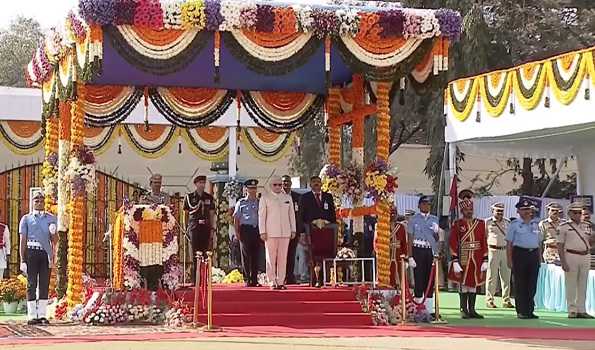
(11, 292)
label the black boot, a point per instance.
(472, 311)
(463, 297)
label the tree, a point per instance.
(17, 45)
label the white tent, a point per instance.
(541, 109)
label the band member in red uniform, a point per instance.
(320, 224)
(469, 256)
(398, 248)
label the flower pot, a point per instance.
(22, 308)
(10, 308)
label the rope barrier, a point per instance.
(428, 288)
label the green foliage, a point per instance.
(312, 152)
(17, 45)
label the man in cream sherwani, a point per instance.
(276, 222)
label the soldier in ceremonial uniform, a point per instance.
(469, 256)
(496, 227)
(424, 234)
(156, 196)
(398, 248)
(549, 231)
(201, 219)
(574, 246)
(291, 252)
(37, 239)
(523, 239)
(246, 226)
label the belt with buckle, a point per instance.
(577, 252)
(496, 247)
(34, 245)
(420, 243)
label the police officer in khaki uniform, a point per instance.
(574, 245)
(549, 231)
(496, 227)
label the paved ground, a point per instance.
(327, 344)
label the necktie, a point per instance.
(318, 199)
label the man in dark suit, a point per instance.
(289, 276)
(320, 223)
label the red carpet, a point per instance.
(298, 307)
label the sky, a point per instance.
(47, 12)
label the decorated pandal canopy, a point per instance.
(541, 109)
(279, 62)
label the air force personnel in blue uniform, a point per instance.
(524, 257)
(246, 227)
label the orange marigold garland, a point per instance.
(74, 290)
(383, 121)
(333, 110)
(49, 169)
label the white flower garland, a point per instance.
(154, 51)
(385, 60)
(172, 14)
(187, 110)
(63, 186)
(271, 54)
(102, 109)
(349, 19)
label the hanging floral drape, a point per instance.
(109, 105)
(281, 111)
(21, 137)
(191, 107)
(208, 143)
(526, 86)
(266, 145)
(162, 37)
(151, 143)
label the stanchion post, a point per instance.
(210, 327)
(438, 319)
(199, 263)
(403, 292)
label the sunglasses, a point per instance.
(276, 184)
(576, 212)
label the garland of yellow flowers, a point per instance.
(382, 208)
(333, 111)
(74, 291)
(49, 171)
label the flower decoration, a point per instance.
(102, 12)
(304, 17)
(265, 18)
(346, 253)
(233, 189)
(12, 290)
(193, 14)
(149, 13)
(450, 23)
(172, 15)
(392, 23)
(348, 19)
(351, 184)
(217, 274)
(248, 16)
(213, 15)
(379, 184)
(125, 10)
(326, 23)
(331, 177)
(234, 276)
(81, 170)
(230, 11)
(76, 27)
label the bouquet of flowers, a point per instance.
(346, 253)
(233, 189)
(81, 170)
(179, 315)
(380, 185)
(234, 276)
(351, 181)
(331, 177)
(217, 274)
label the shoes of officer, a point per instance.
(527, 317)
(507, 305)
(580, 315)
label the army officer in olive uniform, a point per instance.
(201, 219)
(246, 226)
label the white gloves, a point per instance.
(24, 268)
(435, 228)
(412, 262)
(52, 229)
(484, 266)
(457, 267)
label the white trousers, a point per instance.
(576, 281)
(276, 256)
(1, 274)
(497, 267)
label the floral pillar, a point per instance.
(74, 292)
(334, 133)
(63, 197)
(383, 208)
(50, 164)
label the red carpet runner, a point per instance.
(297, 307)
